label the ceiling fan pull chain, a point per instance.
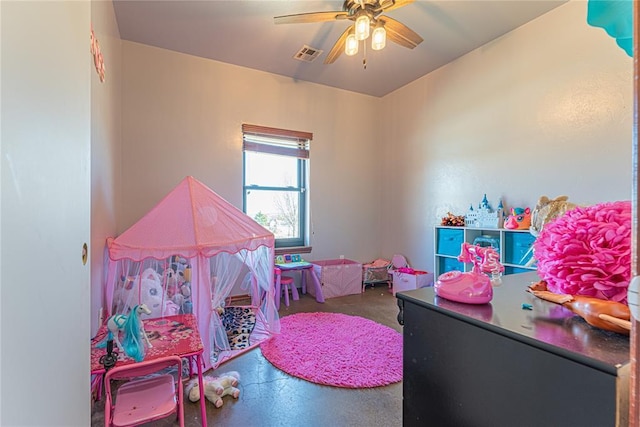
(364, 55)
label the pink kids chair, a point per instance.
(145, 399)
(283, 285)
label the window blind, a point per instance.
(282, 142)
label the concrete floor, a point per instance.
(270, 397)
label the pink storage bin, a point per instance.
(338, 277)
(407, 279)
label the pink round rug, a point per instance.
(337, 350)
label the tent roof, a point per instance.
(192, 219)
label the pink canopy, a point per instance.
(186, 255)
(192, 219)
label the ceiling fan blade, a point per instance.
(337, 48)
(399, 33)
(387, 5)
(304, 18)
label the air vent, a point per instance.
(307, 54)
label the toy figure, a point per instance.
(609, 315)
(520, 219)
(133, 330)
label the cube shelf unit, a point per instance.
(514, 244)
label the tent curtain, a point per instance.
(186, 255)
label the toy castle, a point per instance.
(484, 216)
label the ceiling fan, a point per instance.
(366, 14)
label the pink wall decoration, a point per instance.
(98, 59)
(587, 251)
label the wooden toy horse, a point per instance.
(133, 330)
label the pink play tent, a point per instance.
(186, 255)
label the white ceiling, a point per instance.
(243, 32)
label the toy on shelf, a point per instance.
(215, 388)
(133, 333)
(520, 219)
(452, 220)
(484, 216)
(488, 240)
(547, 210)
(608, 315)
(475, 286)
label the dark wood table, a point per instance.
(499, 364)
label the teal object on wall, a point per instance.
(616, 17)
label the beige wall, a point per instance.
(105, 147)
(182, 115)
(520, 117)
(544, 110)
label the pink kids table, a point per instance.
(304, 266)
(170, 336)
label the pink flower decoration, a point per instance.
(587, 251)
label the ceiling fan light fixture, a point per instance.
(351, 45)
(367, 20)
(362, 27)
(379, 38)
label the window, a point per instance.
(275, 181)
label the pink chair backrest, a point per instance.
(150, 407)
(144, 368)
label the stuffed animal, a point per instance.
(547, 210)
(215, 388)
(151, 294)
(179, 265)
(212, 390)
(231, 391)
(229, 379)
(170, 281)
